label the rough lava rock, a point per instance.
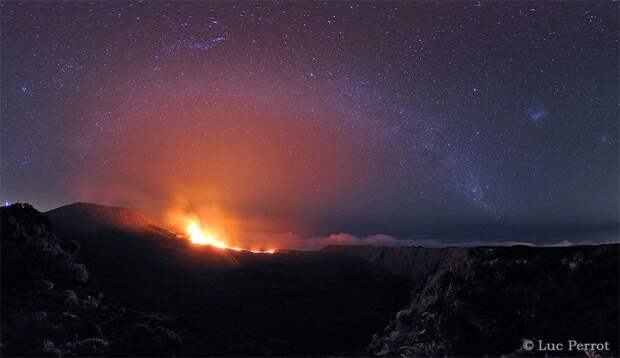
(48, 308)
(486, 301)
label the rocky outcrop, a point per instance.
(49, 308)
(487, 301)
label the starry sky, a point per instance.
(395, 118)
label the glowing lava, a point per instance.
(198, 236)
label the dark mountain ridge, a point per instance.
(87, 279)
(104, 216)
(238, 302)
(50, 308)
(412, 262)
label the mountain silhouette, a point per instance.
(105, 230)
(86, 279)
(291, 303)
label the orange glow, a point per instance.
(241, 157)
(200, 236)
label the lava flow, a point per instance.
(200, 237)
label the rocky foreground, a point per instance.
(48, 308)
(88, 280)
(165, 297)
(492, 300)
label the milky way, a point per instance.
(365, 118)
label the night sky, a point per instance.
(394, 118)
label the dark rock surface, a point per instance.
(485, 301)
(49, 308)
(113, 282)
(414, 263)
(204, 301)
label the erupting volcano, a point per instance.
(200, 236)
(309, 178)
